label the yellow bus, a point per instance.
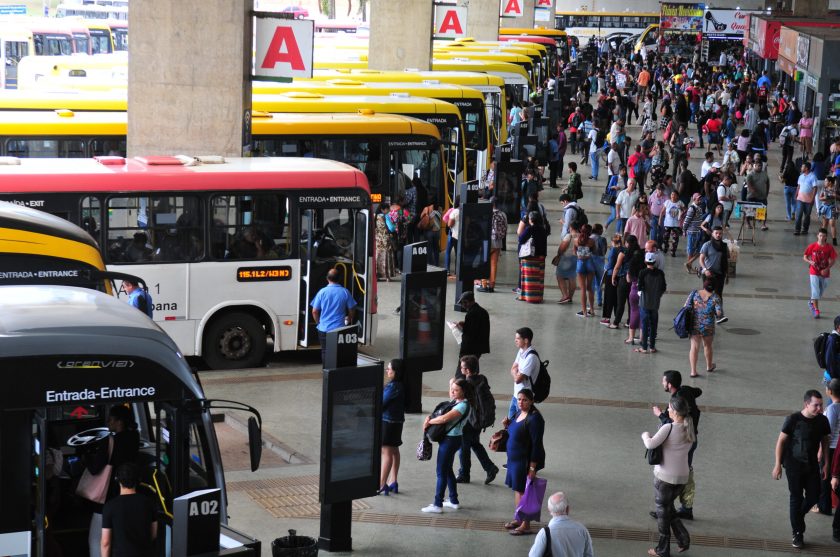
(539, 53)
(648, 40)
(560, 38)
(470, 103)
(463, 53)
(41, 248)
(445, 116)
(383, 146)
(491, 86)
(104, 72)
(586, 25)
(102, 41)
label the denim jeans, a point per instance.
(611, 218)
(666, 519)
(619, 225)
(802, 478)
(445, 476)
(596, 279)
(593, 160)
(654, 228)
(650, 323)
(451, 243)
(470, 442)
(803, 216)
(790, 202)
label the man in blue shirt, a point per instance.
(333, 307)
(764, 81)
(138, 297)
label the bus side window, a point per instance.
(91, 215)
(199, 477)
(250, 227)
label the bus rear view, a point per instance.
(99, 375)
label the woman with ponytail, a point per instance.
(671, 475)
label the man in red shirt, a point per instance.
(637, 161)
(713, 127)
(819, 256)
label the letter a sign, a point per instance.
(513, 8)
(450, 21)
(544, 4)
(284, 48)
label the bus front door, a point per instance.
(333, 238)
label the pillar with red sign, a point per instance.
(517, 13)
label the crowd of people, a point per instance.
(662, 194)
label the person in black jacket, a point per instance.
(672, 383)
(476, 330)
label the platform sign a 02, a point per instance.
(284, 47)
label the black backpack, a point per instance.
(580, 217)
(542, 386)
(485, 414)
(819, 349)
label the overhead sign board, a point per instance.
(450, 21)
(512, 8)
(284, 47)
(725, 23)
(681, 18)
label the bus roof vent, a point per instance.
(165, 160)
(346, 82)
(411, 70)
(9, 161)
(110, 160)
(461, 59)
(366, 111)
(400, 95)
(260, 114)
(431, 81)
(210, 159)
(64, 113)
(302, 95)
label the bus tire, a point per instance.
(234, 340)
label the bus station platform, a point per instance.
(600, 403)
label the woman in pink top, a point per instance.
(671, 475)
(806, 133)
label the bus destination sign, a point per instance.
(261, 274)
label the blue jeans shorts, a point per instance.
(695, 242)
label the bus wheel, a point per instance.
(234, 340)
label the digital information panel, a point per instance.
(423, 319)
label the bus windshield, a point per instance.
(99, 373)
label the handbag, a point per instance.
(498, 441)
(530, 504)
(94, 487)
(527, 249)
(424, 449)
(683, 319)
(654, 455)
(607, 198)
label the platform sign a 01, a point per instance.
(450, 21)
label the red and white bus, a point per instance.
(233, 251)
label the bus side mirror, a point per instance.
(254, 443)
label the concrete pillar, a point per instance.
(549, 7)
(189, 82)
(810, 8)
(401, 34)
(483, 20)
(527, 19)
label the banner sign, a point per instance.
(681, 18)
(725, 23)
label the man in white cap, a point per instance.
(651, 287)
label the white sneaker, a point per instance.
(432, 509)
(450, 505)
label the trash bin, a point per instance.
(294, 546)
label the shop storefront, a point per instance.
(811, 62)
(681, 27)
(762, 42)
(723, 32)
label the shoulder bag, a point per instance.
(528, 249)
(424, 449)
(683, 319)
(94, 487)
(654, 455)
(498, 441)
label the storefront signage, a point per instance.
(803, 47)
(725, 23)
(788, 43)
(681, 18)
(811, 81)
(768, 39)
(786, 65)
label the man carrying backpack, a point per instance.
(525, 368)
(803, 435)
(572, 212)
(831, 353)
(483, 418)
